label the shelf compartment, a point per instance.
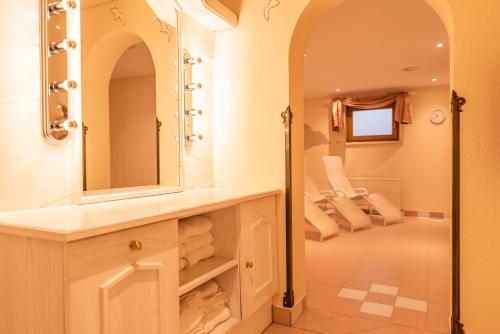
(204, 271)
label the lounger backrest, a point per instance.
(336, 175)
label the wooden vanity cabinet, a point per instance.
(119, 283)
(126, 281)
(115, 283)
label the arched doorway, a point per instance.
(305, 25)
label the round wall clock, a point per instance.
(437, 117)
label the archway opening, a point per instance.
(312, 77)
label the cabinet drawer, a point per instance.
(95, 255)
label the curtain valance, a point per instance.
(401, 102)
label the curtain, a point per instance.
(401, 101)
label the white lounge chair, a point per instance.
(356, 218)
(323, 223)
(341, 184)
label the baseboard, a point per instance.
(288, 316)
(426, 214)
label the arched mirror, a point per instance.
(130, 101)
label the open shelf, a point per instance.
(226, 326)
(204, 271)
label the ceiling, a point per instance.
(363, 45)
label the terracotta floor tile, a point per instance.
(380, 298)
(342, 325)
(310, 322)
(359, 284)
(409, 318)
(344, 306)
(413, 256)
(438, 309)
(323, 315)
(438, 323)
(321, 296)
(408, 291)
(369, 324)
(385, 279)
(377, 318)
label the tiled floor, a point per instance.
(385, 280)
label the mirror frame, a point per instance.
(79, 196)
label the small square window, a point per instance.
(371, 125)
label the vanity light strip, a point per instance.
(193, 112)
(61, 47)
(60, 7)
(193, 86)
(192, 61)
(194, 137)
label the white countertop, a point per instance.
(70, 223)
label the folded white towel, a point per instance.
(199, 254)
(207, 289)
(215, 318)
(194, 226)
(207, 300)
(182, 251)
(211, 320)
(182, 264)
(193, 243)
(215, 303)
(192, 320)
(196, 297)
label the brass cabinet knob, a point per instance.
(249, 264)
(135, 246)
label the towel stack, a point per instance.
(195, 241)
(203, 309)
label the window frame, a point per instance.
(350, 138)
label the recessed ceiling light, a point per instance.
(439, 45)
(409, 69)
(338, 90)
(434, 79)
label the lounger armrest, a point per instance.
(337, 192)
(327, 192)
(361, 191)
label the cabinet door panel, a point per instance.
(114, 290)
(131, 302)
(258, 254)
(262, 246)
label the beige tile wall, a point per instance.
(32, 173)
